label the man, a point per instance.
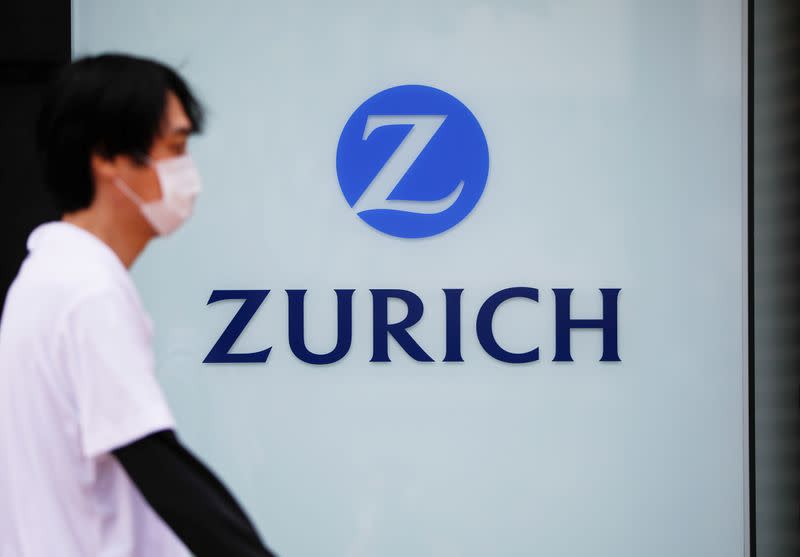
(89, 463)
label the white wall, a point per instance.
(615, 133)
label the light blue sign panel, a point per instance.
(577, 145)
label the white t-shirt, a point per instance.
(76, 381)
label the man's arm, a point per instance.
(189, 498)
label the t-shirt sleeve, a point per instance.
(110, 361)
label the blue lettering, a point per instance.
(344, 327)
(220, 352)
(486, 333)
(565, 324)
(382, 329)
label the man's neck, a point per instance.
(123, 241)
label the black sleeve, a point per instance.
(189, 498)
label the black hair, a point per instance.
(109, 104)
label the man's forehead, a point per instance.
(176, 122)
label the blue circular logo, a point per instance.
(412, 161)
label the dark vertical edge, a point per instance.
(750, 290)
(35, 42)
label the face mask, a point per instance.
(180, 185)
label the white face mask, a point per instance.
(180, 184)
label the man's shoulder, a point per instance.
(54, 286)
(40, 303)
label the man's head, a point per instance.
(106, 122)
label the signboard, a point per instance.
(466, 278)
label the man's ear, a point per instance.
(103, 169)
